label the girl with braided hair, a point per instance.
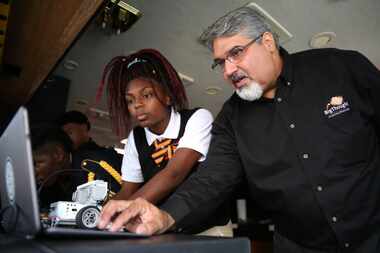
(167, 140)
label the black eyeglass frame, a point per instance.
(230, 56)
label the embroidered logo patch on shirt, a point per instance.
(336, 106)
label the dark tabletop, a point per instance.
(163, 243)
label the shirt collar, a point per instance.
(285, 77)
(171, 131)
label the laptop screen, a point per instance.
(19, 203)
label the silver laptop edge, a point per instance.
(18, 186)
(17, 179)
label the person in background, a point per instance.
(100, 162)
(52, 158)
(77, 126)
(302, 129)
(168, 140)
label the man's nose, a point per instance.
(229, 68)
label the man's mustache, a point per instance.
(236, 77)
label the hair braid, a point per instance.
(148, 64)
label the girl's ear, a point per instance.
(168, 101)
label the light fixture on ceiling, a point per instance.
(186, 80)
(80, 105)
(322, 40)
(283, 34)
(118, 16)
(99, 113)
(81, 102)
(70, 64)
(212, 90)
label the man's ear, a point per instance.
(268, 41)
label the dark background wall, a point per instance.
(49, 101)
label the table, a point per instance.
(168, 243)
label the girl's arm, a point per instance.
(131, 171)
(192, 147)
(165, 182)
(126, 191)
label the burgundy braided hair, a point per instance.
(147, 64)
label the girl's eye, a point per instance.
(129, 101)
(148, 95)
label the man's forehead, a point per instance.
(222, 45)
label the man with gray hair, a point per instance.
(301, 129)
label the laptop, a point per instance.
(19, 200)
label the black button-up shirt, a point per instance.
(310, 155)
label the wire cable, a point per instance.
(9, 219)
(55, 173)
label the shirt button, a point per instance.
(292, 126)
(288, 83)
(305, 156)
(334, 219)
(279, 100)
(319, 188)
(346, 245)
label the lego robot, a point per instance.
(84, 210)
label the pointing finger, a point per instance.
(109, 210)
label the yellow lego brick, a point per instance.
(4, 9)
(3, 24)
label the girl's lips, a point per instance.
(142, 117)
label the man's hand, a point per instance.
(138, 216)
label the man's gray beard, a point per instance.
(250, 92)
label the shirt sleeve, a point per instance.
(367, 81)
(197, 134)
(214, 181)
(131, 168)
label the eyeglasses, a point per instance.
(235, 55)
